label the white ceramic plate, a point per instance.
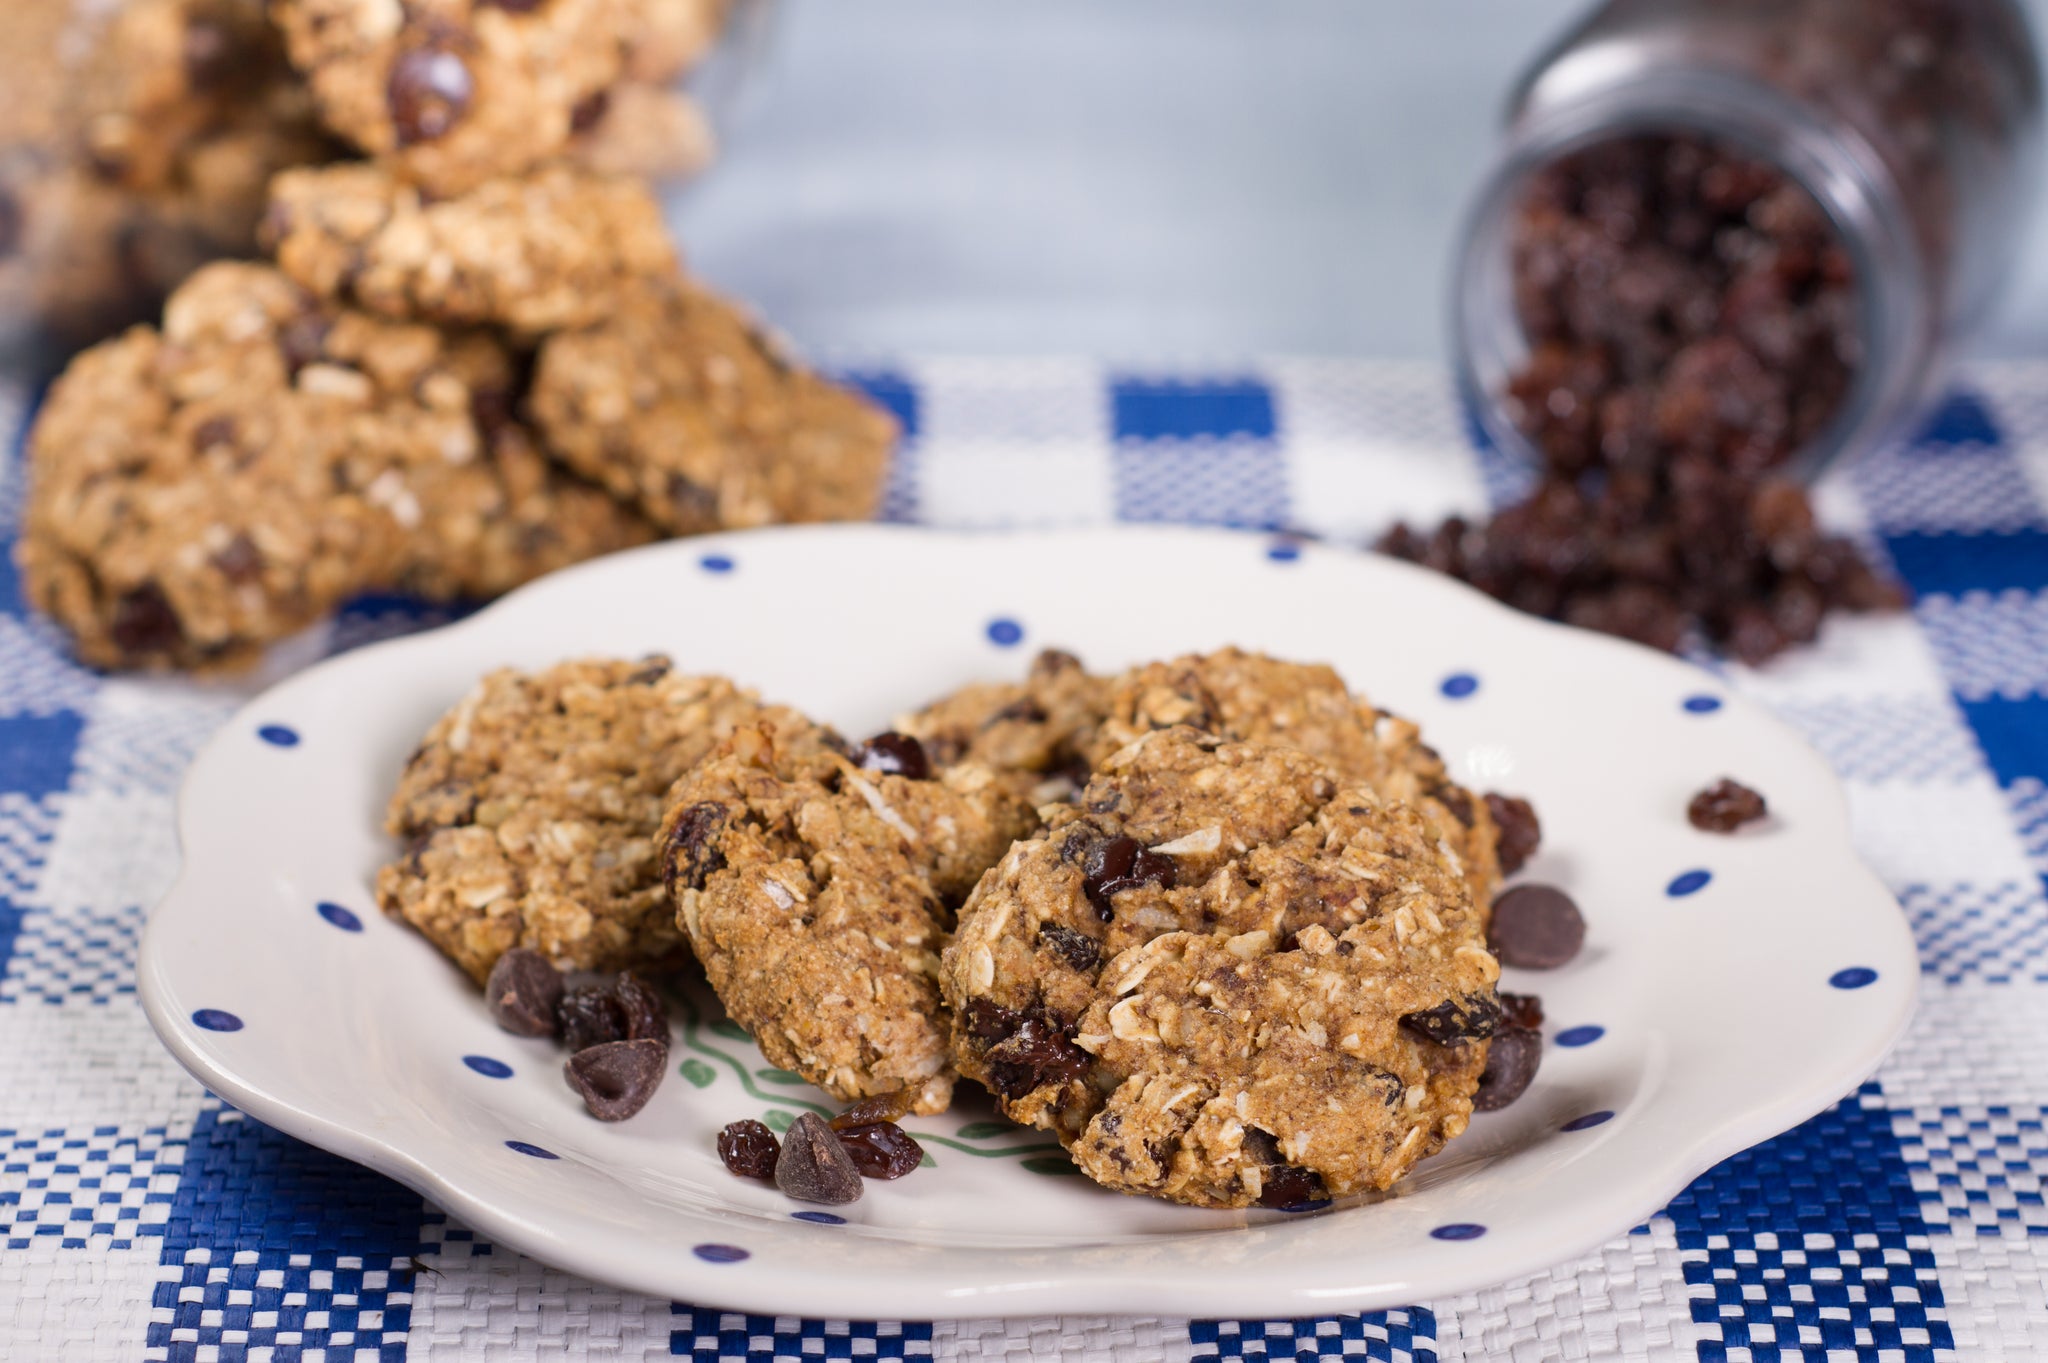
(1731, 987)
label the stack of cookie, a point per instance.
(472, 359)
(136, 139)
(1217, 923)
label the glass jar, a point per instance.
(1914, 125)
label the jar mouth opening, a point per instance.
(1893, 321)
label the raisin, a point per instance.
(879, 1107)
(1520, 832)
(645, 1014)
(690, 856)
(1521, 1010)
(523, 993)
(1289, 1185)
(429, 93)
(1078, 950)
(1037, 1053)
(590, 112)
(894, 754)
(1471, 1018)
(749, 1149)
(881, 1149)
(590, 1017)
(1123, 863)
(1724, 807)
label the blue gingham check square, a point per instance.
(140, 1219)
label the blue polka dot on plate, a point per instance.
(1702, 705)
(1005, 633)
(1312, 1205)
(1458, 1230)
(1587, 1122)
(1579, 1036)
(341, 918)
(1286, 551)
(1459, 685)
(278, 736)
(819, 1218)
(1690, 882)
(1855, 977)
(217, 1020)
(528, 1148)
(715, 563)
(487, 1067)
(720, 1254)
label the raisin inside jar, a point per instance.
(1693, 322)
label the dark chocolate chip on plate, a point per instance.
(616, 1079)
(1536, 927)
(1511, 1062)
(749, 1149)
(523, 993)
(814, 1166)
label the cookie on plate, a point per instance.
(557, 248)
(200, 491)
(817, 892)
(1226, 976)
(679, 405)
(1251, 697)
(529, 810)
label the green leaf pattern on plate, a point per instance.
(699, 1073)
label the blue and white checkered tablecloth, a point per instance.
(142, 1219)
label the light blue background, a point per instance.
(1183, 180)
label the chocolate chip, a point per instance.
(1511, 1061)
(990, 1022)
(1724, 807)
(881, 1149)
(1078, 950)
(590, 112)
(876, 1107)
(590, 1017)
(523, 992)
(1289, 1185)
(690, 855)
(1123, 863)
(894, 754)
(429, 92)
(814, 1166)
(1471, 1018)
(144, 625)
(238, 560)
(749, 1149)
(1521, 1010)
(1520, 832)
(1282, 1185)
(615, 1079)
(1536, 927)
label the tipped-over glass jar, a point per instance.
(1746, 230)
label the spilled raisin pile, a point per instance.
(1692, 324)
(616, 1029)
